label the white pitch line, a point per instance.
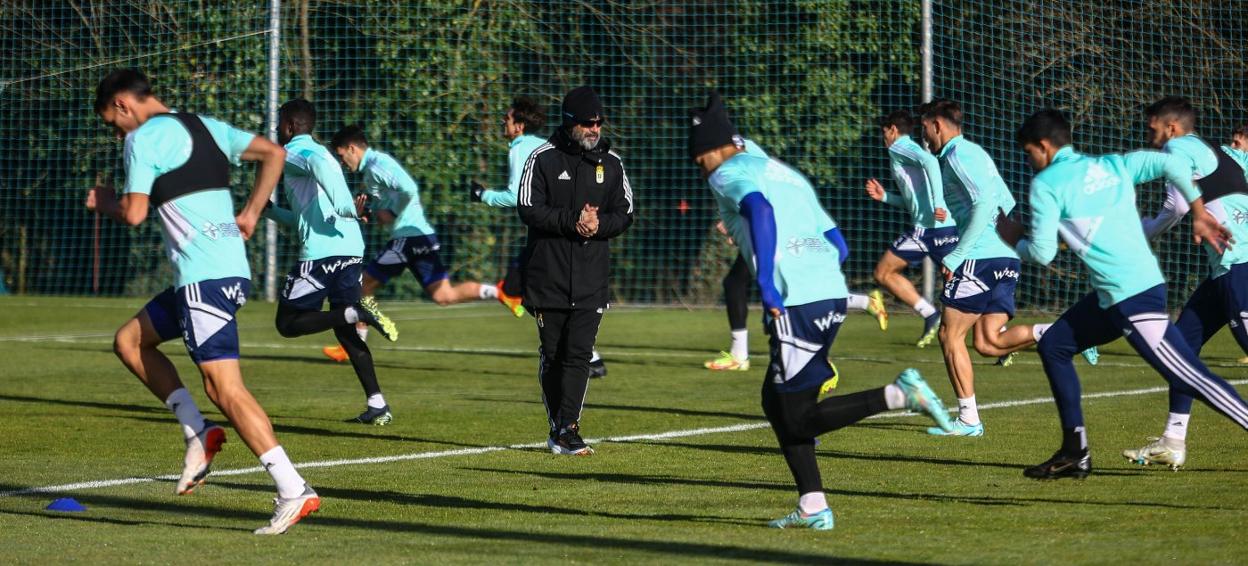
(488, 449)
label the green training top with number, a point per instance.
(1230, 210)
(1090, 202)
(916, 173)
(807, 266)
(321, 208)
(517, 153)
(394, 190)
(199, 231)
(976, 195)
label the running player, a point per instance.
(523, 120)
(737, 298)
(1223, 297)
(1091, 203)
(916, 173)
(179, 163)
(394, 199)
(330, 254)
(763, 201)
(981, 271)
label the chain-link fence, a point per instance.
(430, 80)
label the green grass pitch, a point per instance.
(462, 380)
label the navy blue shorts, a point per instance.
(1217, 303)
(311, 282)
(983, 286)
(418, 253)
(800, 340)
(203, 313)
(920, 243)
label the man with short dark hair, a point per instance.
(1239, 138)
(322, 214)
(981, 271)
(1223, 297)
(392, 198)
(763, 202)
(574, 196)
(180, 164)
(1090, 202)
(916, 173)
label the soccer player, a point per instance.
(737, 302)
(1090, 202)
(763, 202)
(323, 215)
(1223, 297)
(520, 126)
(574, 197)
(916, 172)
(179, 163)
(394, 199)
(981, 271)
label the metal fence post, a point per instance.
(270, 227)
(929, 269)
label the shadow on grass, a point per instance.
(284, 429)
(456, 502)
(948, 498)
(683, 412)
(484, 535)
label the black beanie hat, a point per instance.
(581, 105)
(710, 127)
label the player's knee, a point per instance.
(444, 296)
(1053, 349)
(943, 334)
(882, 273)
(284, 327)
(126, 344)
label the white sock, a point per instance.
(740, 344)
(289, 482)
(813, 502)
(1038, 330)
(593, 356)
(488, 292)
(924, 308)
(362, 330)
(894, 397)
(968, 411)
(376, 401)
(1176, 428)
(351, 315)
(188, 414)
(858, 302)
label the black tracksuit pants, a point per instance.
(567, 337)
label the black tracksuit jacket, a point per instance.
(562, 269)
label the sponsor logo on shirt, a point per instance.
(816, 245)
(1240, 216)
(1097, 179)
(220, 230)
(565, 176)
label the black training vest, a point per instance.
(1227, 179)
(206, 168)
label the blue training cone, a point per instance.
(66, 504)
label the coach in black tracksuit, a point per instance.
(574, 197)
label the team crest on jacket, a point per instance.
(600, 173)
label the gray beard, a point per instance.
(584, 141)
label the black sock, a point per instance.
(1074, 441)
(361, 358)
